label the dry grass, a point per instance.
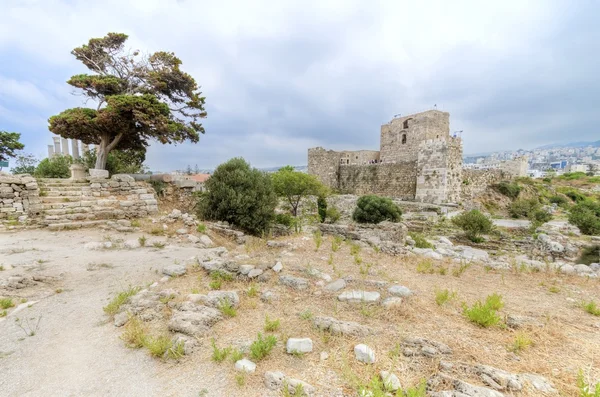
(567, 342)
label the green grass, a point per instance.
(376, 388)
(298, 391)
(201, 228)
(227, 308)
(1, 268)
(115, 304)
(261, 347)
(134, 333)
(554, 289)
(585, 389)
(6, 303)
(521, 342)
(219, 355)
(136, 223)
(240, 379)
(176, 351)
(425, 267)
(420, 241)
(215, 284)
(318, 239)
(306, 314)
(159, 244)
(444, 296)
(142, 240)
(336, 243)
(166, 299)
(271, 325)
(485, 314)
(3, 313)
(591, 307)
(236, 355)
(354, 249)
(158, 346)
(461, 269)
(252, 291)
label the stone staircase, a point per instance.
(68, 204)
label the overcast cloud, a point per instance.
(283, 76)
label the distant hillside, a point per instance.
(572, 144)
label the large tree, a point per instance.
(294, 186)
(138, 98)
(9, 144)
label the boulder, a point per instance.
(391, 301)
(359, 296)
(174, 270)
(390, 381)
(255, 273)
(338, 327)
(245, 365)
(206, 241)
(364, 354)
(424, 347)
(399, 290)
(299, 345)
(335, 286)
(278, 267)
(274, 380)
(194, 323)
(297, 283)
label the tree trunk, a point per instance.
(101, 155)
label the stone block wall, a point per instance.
(129, 198)
(476, 182)
(19, 197)
(325, 165)
(394, 180)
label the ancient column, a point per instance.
(75, 148)
(50, 151)
(57, 151)
(65, 147)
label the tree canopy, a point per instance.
(9, 144)
(139, 98)
(294, 186)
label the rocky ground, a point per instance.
(348, 315)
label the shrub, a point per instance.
(158, 346)
(261, 347)
(559, 199)
(201, 228)
(115, 304)
(332, 215)
(521, 342)
(375, 209)
(219, 355)
(6, 303)
(586, 216)
(227, 308)
(322, 208)
(585, 389)
(540, 217)
(284, 219)
(444, 296)
(271, 325)
(591, 307)
(523, 208)
(590, 255)
(575, 196)
(485, 314)
(240, 195)
(134, 333)
(572, 176)
(420, 241)
(474, 224)
(54, 167)
(508, 189)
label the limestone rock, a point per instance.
(274, 380)
(390, 381)
(338, 327)
(206, 241)
(121, 319)
(174, 270)
(297, 283)
(194, 323)
(193, 239)
(391, 301)
(335, 286)
(539, 383)
(498, 379)
(364, 354)
(182, 231)
(399, 290)
(424, 347)
(269, 296)
(245, 365)
(245, 269)
(278, 267)
(255, 273)
(299, 345)
(277, 244)
(295, 384)
(359, 296)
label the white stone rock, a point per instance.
(193, 239)
(96, 173)
(359, 296)
(336, 285)
(324, 356)
(94, 245)
(182, 231)
(583, 269)
(390, 381)
(132, 244)
(445, 240)
(391, 301)
(399, 290)
(174, 270)
(245, 269)
(567, 269)
(364, 354)
(206, 241)
(255, 273)
(278, 267)
(245, 365)
(299, 345)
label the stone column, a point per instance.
(65, 147)
(75, 148)
(57, 151)
(50, 151)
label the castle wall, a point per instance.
(454, 170)
(432, 175)
(516, 167)
(476, 182)
(430, 125)
(324, 164)
(394, 180)
(357, 157)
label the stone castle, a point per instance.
(418, 160)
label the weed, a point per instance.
(318, 239)
(420, 241)
(159, 244)
(30, 329)
(166, 299)
(23, 300)
(484, 314)
(176, 351)
(417, 391)
(306, 314)
(236, 355)
(444, 296)
(357, 259)
(585, 390)
(354, 249)
(330, 260)
(157, 346)
(3, 313)
(240, 379)
(521, 342)
(201, 228)
(215, 283)
(221, 275)
(591, 307)
(157, 231)
(1, 268)
(134, 333)
(396, 351)
(136, 223)
(252, 291)
(226, 307)
(336, 243)
(365, 270)
(6, 303)
(142, 240)
(461, 269)
(425, 267)
(554, 289)
(261, 347)
(494, 301)
(271, 325)
(219, 355)
(115, 304)
(58, 290)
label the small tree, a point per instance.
(117, 162)
(240, 195)
(294, 186)
(375, 209)
(474, 224)
(54, 167)
(25, 164)
(9, 144)
(139, 98)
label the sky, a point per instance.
(283, 76)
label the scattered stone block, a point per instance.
(299, 345)
(364, 354)
(424, 347)
(399, 290)
(390, 381)
(174, 270)
(335, 286)
(338, 327)
(255, 273)
(297, 283)
(121, 319)
(245, 365)
(278, 267)
(359, 296)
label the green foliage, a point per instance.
(590, 255)
(236, 355)
(420, 241)
(158, 186)
(284, 219)
(261, 347)
(158, 346)
(201, 228)
(444, 296)
(306, 315)
(508, 189)
(485, 314)
(54, 167)
(559, 199)
(336, 243)
(332, 215)
(585, 389)
(25, 164)
(227, 308)
(145, 97)
(219, 355)
(6, 303)
(134, 333)
(318, 239)
(572, 176)
(240, 195)
(523, 208)
(271, 325)
(586, 216)
(575, 196)
(115, 304)
(474, 224)
(9, 144)
(521, 342)
(322, 208)
(375, 209)
(294, 186)
(128, 161)
(591, 307)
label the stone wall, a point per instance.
(19, 197)
(325, 165)
(394, 180)
(439, 171)
(454, 169)
(129, 198)
(476, 182)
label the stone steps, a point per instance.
(61, 199)
(75, 225)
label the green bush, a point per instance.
(332, 215)
(118, 161)
(590, 255)
(284, 219)
(572, 176)
(54, 167)
(540, 217)
(375, 209)
(240, 195)
(523, 208)
(586, 216)
(322, 208)
(474, 224)
(261, 347)
(559, 199)
(508, 189)
(575, 196)
(485, 314)
(420, 241)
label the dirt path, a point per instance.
(74, 352)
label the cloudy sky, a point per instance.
(283, 76)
